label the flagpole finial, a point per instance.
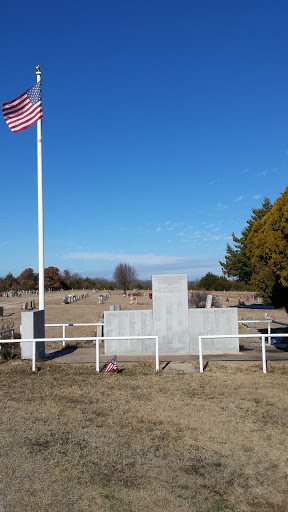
(38, 70)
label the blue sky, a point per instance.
(165, 123)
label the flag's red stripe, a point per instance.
(27, 125)
(17, 111)
(15, 107)
(29, 110)
(15, 122)
(20, 113)
(14, 101)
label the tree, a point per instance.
(212, 282)
(267, 247)
(53, 279)
(27, 279)
(124, 275)
(10, 282)
(238, 263)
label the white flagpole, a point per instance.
(40, 208)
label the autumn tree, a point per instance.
(237, 262)
(124, 275)
(27, 279)
(53, 279)
(267, 248)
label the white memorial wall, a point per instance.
(177, 327)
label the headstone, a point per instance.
(118, 307)
(1, 310)
(251, 324)
(33, 326)
(170, 312)
(100, 331)
(208, 301)
(112, 307)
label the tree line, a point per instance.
(124, 277)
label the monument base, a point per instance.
(33, 326)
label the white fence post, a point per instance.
(64, 344)
(263, 354)
(200, 355)
(97, 356)
(269, 333)
(157, 353)
(34, 356)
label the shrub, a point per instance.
(9, 350)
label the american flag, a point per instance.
(25, 110)
(112, 365)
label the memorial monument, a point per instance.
(170, 319)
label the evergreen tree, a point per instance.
(237, 262)
(267, 248)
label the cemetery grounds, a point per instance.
(134, 441)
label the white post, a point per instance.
(263, 354)
(40, 208)
(34, 356)
(200, 355)
(269, 332)
(97, 356)
(63, 330)
(157, 354)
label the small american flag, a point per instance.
(25, 110)
(112, 365)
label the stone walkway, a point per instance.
(88, 356)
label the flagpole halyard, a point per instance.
(40, 208)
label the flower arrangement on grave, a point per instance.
(102, 316)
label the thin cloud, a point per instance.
(240, 198)
(263, 173)
(144, 259)
(214, 181)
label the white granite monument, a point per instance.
(177, 327)
(170, 312)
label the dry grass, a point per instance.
(135, 441)
(73, 441)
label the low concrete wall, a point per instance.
(213, 321)
(129, 323)
(201, 322)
